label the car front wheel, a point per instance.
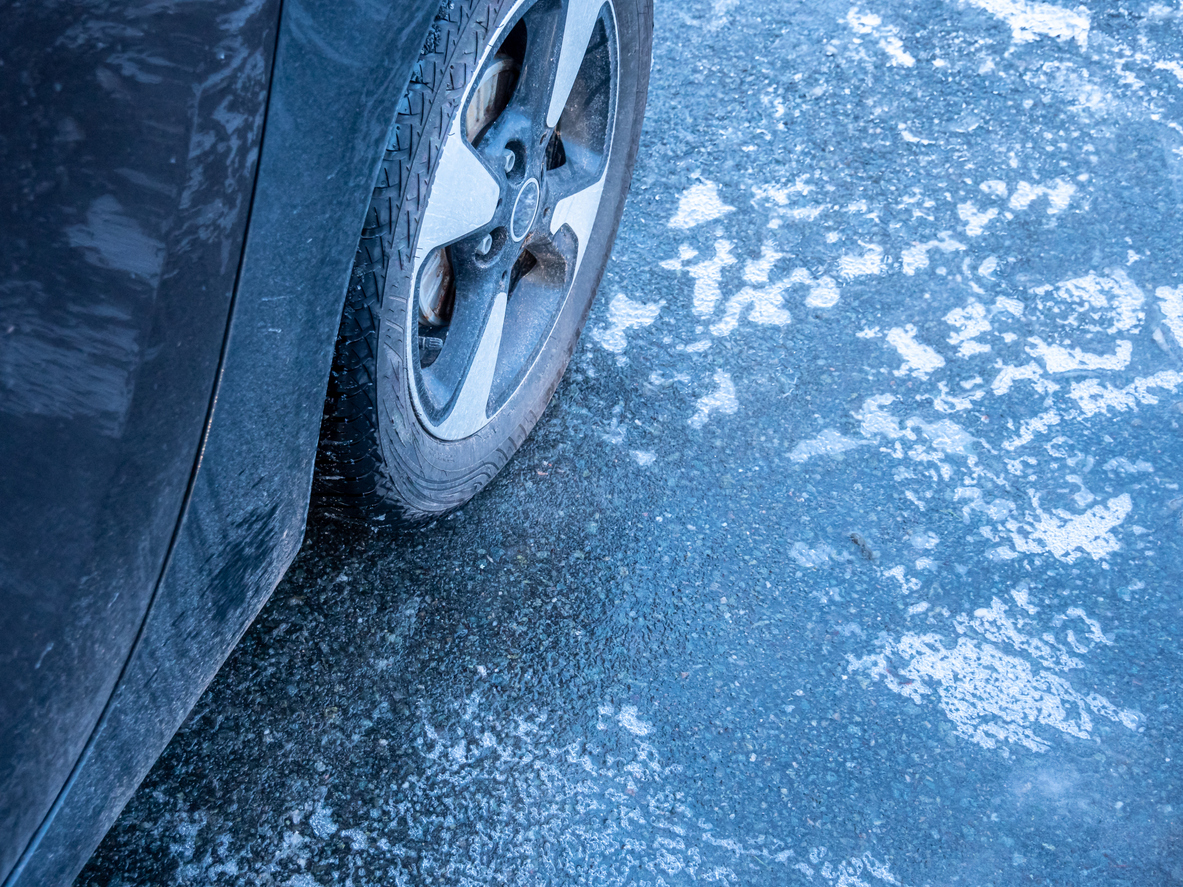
(493, 217)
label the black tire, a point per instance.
(377, 455)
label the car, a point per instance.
(249, 246)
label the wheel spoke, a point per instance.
(468, 414)
(578, 211)
(580, 21)
(463, 198)
(512, 262)
(523, 117)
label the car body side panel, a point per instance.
(128, 144)
(340, 69)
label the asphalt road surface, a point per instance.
(849, 550)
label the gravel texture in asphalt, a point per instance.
(848, 552)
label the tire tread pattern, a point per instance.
(351, 474)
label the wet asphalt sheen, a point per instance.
(848, 552)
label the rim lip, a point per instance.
(455, 127)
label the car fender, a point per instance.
(340, 69)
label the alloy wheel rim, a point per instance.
(513, 203)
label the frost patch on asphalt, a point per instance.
(624, 314)
(823, 292)
(888, 36)
(1095, 397)
(721, 400)
(869, 263)
(975, 220)
(1067, 536)
(630, 720)
(644, 458)
(321, 822)
(697, 204)
(1170, 303)
(1095, 303)
(1059, 359)
(1001, 681)
(828, 443)
(706, 274)
(970, 321)
(812, 557)
(915, 257)
(919, 359)
(1030, 21)
(1058, 193)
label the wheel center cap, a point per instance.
(524, 210)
